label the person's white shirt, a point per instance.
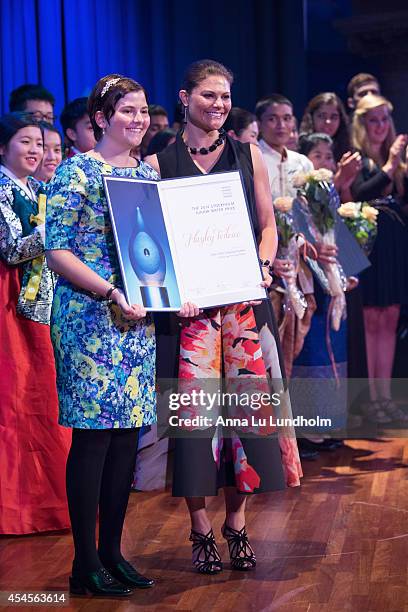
(282, 167)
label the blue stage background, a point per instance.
(290, 46)
(68, 44)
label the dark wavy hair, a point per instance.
(238, 120)
(72, 113)
(13, 122)
(264, 103)
(200, 70)
(21, 95)
(341, 140)
(156, 109)
(307, 142)
(107, 102)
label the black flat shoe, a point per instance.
(128, 575)
(308, 455)
(100, 583)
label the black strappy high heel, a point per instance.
(241, 553)
(206, 558)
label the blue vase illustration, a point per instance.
(149, 264)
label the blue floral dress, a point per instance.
(105, 362)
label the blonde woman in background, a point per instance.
(385, 283)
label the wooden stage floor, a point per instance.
(339, 543)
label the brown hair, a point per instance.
(200, 70)
(358, 80)
(341, 141)
(104, 98)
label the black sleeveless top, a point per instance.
(175, 161)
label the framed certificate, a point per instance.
(185, 239)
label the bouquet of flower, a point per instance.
(284, 219)
(288, 249)
(361, 219)
(314, 188)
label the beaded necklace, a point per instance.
(203, 150)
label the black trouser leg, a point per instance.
(85, 465)
(115, 489)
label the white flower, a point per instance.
(283, 204)
(370, 213)
(350, 210)
(321, 175)
(299, 179)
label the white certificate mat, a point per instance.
(186, 239)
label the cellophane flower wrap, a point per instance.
(361, 220)
(288, 249)
(315, 188)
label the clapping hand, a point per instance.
(348, 168)
(395, 154)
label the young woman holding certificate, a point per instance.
(104, 348)
(236, 340)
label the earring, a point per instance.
(103, 131)
(185, 114)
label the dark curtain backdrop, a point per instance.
(68, 44)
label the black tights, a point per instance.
(99, 473)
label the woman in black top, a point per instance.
(385, 283)
(238, 340)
